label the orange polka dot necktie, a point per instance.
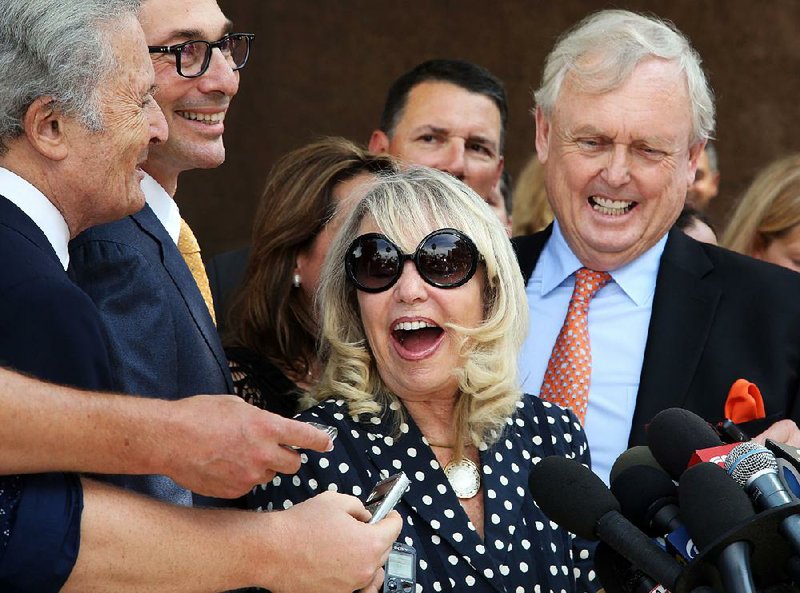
(566, 380)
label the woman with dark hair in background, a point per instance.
(272, 347)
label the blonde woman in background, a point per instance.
(531, 210)
(766, 222)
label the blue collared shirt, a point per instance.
(619, 316)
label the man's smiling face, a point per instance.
(618, 164)
(195, 108)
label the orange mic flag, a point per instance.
(744, 402)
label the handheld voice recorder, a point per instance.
(385, 495)
(400, 570)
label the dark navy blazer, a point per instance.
(163, 340)
(49, 329)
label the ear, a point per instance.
(379, 142)
(300, 262)
(542, 135)
(695, 150)
(758, 246)
(45, 129)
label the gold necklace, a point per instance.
(463, 475)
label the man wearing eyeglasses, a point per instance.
(144, 272)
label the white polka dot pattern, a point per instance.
(521, 549)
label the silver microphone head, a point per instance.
(747, 461)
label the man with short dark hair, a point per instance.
(450, 115)
(152, 294)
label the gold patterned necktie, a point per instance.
(190, 250)
(566, 380)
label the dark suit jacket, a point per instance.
(163, 341)
(717, 316)
(225, 276)
(49, 328)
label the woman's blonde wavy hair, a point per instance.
(769, 209)
(407, 206)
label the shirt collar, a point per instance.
(637, 279)
(39, 209)
(163, 206)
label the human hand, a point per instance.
(219, 445)
(783, 431)
(376, 586)
(329, 538)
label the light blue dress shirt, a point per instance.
(619, 316)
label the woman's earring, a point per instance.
(296, 280)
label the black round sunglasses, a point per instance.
(446, 258)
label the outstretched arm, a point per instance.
(131, 543)
(214, 445)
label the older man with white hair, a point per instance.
(622, 115)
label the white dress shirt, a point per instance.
(39, 209)
(619, 316)
(163, 205)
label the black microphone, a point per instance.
(638, 455)
(754, 468)
(575, 498)
(674, 435)
(648, 497)
(617, 575)
(712, 505)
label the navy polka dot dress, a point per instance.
(522, 550)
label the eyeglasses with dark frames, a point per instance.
(446, 258)
(193, 57)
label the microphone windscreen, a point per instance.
(570, 494)
(673, 436)
(711, 503)
(638, 455)
(616, 574)
(641, 491)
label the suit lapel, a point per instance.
(14, 218)
(683, 310)
(430, 498)
(528, 249)
(185, 284)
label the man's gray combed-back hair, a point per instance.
(56, 48)
(616, 41)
